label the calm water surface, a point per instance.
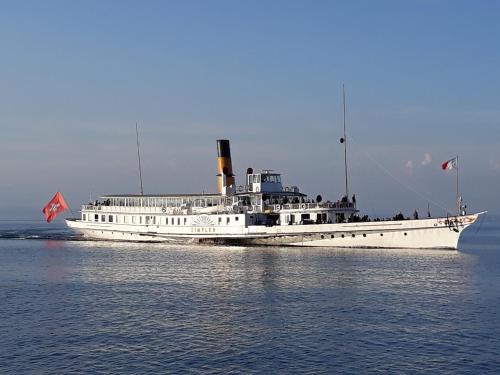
(85, 307)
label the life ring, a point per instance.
(303, 206)
(277, 208)
(163, 209)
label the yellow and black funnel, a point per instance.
(225, 175)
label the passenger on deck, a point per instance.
(415, 214)
(399, 216)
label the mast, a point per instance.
(344, 140)
(458, 191)
(139, 156)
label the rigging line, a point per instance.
(399, 181)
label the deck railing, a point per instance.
(217, 210)
(308, 206)
(98, 208)
(163, 210)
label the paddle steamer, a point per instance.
(260, 212)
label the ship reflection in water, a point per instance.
(137, 308)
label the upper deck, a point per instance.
(263, 193)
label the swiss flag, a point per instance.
(55, 206)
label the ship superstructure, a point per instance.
(261, 211)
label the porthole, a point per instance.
(381, 234)
(322, 236)
(364, 234)
(353, 235)
(332, 236)
(406, 234)
(342, 236)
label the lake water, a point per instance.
(69, 306)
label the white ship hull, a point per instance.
(425, 233)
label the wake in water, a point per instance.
(35, 230)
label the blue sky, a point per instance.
(422, 81)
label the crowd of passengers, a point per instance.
(341, 203)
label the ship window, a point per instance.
(364, 234)
(103, 218)
(140, 219)
(406, 234)
(381, 234)
(332, 236)
(236, 218)
(172, 221)
(322, 236)
(353, 235)
(228, 219)
(342, 236)
(220, 220)
(178, 221)
(133, 219)
(84, 217)
(110, 218)
(185, 221)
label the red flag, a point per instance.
(55, 206)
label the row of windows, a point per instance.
(149, 220)
(353, 235)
